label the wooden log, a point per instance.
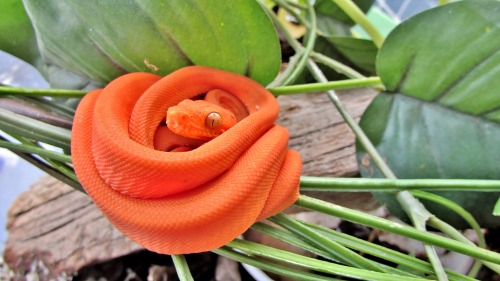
(55, 227)
(56, 230)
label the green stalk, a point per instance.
(63, 168)
(307, 237)
(360, 18)
(34, 92)
(36, 150)
(360, 135)
(369, 185)
(334, 249)
(433, 257)
(336, 65)
(455, 208)
(291, 9)
(364, 247)
(455, 234)
(318, 74)
(278, 255)
(16, 124)
(321, 87)
(59, 170)
(292, 63)
(50, 105)
(452, 232)
(419, 217)
(182, 268)
(389, 226)
(310, 40)
(272, 267)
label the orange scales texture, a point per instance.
(193, 201)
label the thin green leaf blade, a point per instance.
(438, 117)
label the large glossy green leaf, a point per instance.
(100, 40)
(16, 33)
(439, 117)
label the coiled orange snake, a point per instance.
(177, 195)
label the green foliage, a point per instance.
(438, 115)
(331, 10)
(100, 41)
(437, 118)
(16, 33)
(335, 29)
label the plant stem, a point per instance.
(30, 128)
(369, 185)
(51, 105)
(310, 40)
(334, 85)
(455, 208)
(36, 150)
(360, 18)
(291, 9)
(34, 92)
(63, 168)
(419, 217)
(360, 135)
(182, 268)
(356, 244)
(336, 65)
(272, 267)
(455, 234)
(452, 232)
(334, 249)
(314, 264)
(42, 165)
(430, 251)
(389, 226)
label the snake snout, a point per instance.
(176, 119)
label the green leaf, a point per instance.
(360, 52)
(99, 41)
(439, 117)
(335, 26)
(16, 33)
(383, 22)
(496, 209)
(329, 8)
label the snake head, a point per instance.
(199, 119)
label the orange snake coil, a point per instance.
(182, 202)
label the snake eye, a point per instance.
(213, 121)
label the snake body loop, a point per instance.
(190, 201)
